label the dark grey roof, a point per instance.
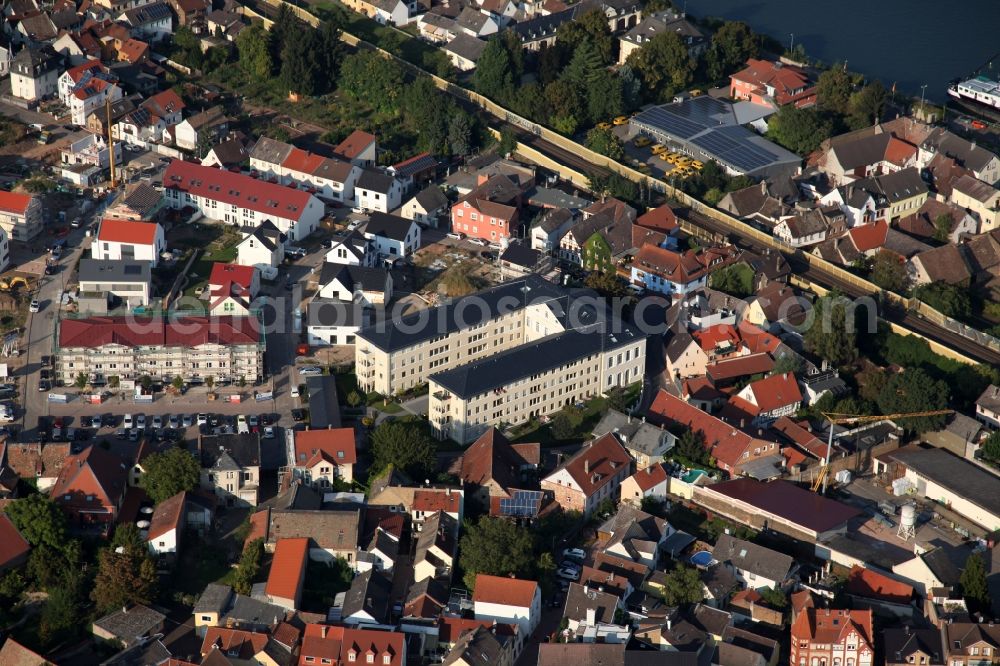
(220, 451)
(863, 151)
(466, 46)
(520, 254)
(545, 354)
(231, 152)
(324, 408)
(353, 276)
(268, 235)
(388, 226)
(142, 197)
(153, 652)
(270, 151)
(727, 654)
(592, 654)
(990, 398)
(549, 197)
(946, 562)
(298, 496)
(679, 342)
(98, 270)
(278, 653)
(963, 478)
(901, 185)
(472, 19)
(415, 165)
(901, 642)
(581, 598)
(247, 611)
(438, 529)
(635, 433)
(968, 154)
(712, 620)
(332, 312)
(369, 593)
(432, 588)
(431, 198)
(131, 624)
(154, 11)
(36, 59)
(215, 599)
(554, 218)
(476, 648)
(374, 181)
(751, 557)
(766, 647)
(453, 316)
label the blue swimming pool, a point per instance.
(702, 558)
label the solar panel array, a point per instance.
(658, 118)
(522, 503)
(732, 145)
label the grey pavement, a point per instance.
(417, 406)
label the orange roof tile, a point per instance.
(244, 643)
(167, 516)
(431, 500)
(13, 546)
(335, 445)
(12, 202)
(659, 219)
(867, 583)
(287, 568)
(354, 144)
(127, 231)
(725, 443)
(827, 626)
(596, 465)
(504, 591)
(868, 237)
(650, 476)
(775, 392)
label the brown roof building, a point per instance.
(591, 476)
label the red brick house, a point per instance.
(91, 486)
(591, 476)
(762, 81)
(490, 211)
(818, 634)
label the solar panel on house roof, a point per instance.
(665, 121)
(521, 503)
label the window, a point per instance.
(371, 659)
(206, 618)
(386, 659)
(351, 656)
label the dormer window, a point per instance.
(351, 656)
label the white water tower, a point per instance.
(907, 522)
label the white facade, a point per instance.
(20, 224)
(83, 100)
(393, 248)
(118, 250)
(252, 252)
(164, 543)
(381, 202)
(526, 618)
(92, 149)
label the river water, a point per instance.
(907, 42)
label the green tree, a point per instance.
(789, 363)
(124, 578)
(833, 90)
(300, 69)
(732, 45)
(60, 619)
(494, 75)
(285, 31)
(736, 280)
(370, 77)
(683, 586)
(168, 473)
(942, 227)
(664, 65)
(406, 445)
(973, 581)
(426, 113)
(178, 382)
(529, 101)
(507, 143)
(497, 547)
(604, 96)
(254, 47)
(889, 272)
(353, 398)
(39, 521)
(867, 105)
(631, 87)
(565, 423)
(831, 336)
(799, 130)
(913, 390)
(460, 133)
(592, 27)
(329, 52)
(990, 449)
(188, 47)
(774, 597)
(948, 299)
(605, 142)
(249, 566)
(691, 446)
(551, 62)
(606, 283)
(81, 380)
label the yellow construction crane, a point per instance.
(834, 418)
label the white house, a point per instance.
(802, 230)
(508, 600)
(21, 215)
(149, 22)
(350, 282)
(676, 273)
(392, 12)
(189, 133)
(768, 399)
(377, 191)
(241, 200)
(85, 88)
(128, 280)
(91, 149)
(324, 455)
(549, 230)
(354, 249)
(426, 206)
(329, 178)
(359, 148)
(34, 73)
(262, 245)
(988, 406)
(166, 526)
(125, 240)
(393, 236)
(464, 51)
(856, 203)
(149, 123)
(335, 322)
(232, 288)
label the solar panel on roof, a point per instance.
(664, 121)
(521, 503)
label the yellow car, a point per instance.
(683, 161)
(697, 164)
(620, 120)
(671, 157)
(696, 93)
(643, 168)
(660, 150)
(604, 126)
(642, 141)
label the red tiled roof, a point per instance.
(681, 267)
(15, 654)
(164, 103)
(286, 634)
(258, 527)
(725, 443)
(784, 79)
(899, 152)
(12, 202)
(826, 626)
(76, 73)
(450, 628)
(302, 161)
(775, 392)
(493, 458)
(321, 642)
(801, 436)
(378, 644)
(714, 337)
(166, 516)
(285, 577)
(756, 339)
(354, 144)
(596, 465)
(868, 237)
(93, 479)
(245, 643)
(127, 231)
(739, 366)
(133, 50)
(150, 332)
(649, 477)
(792, 456)
(13, 546)
(232, 273)
(430, 501)
(335, 445)
(659, 219)
(504, 591)
(867, 583)
(236, 189)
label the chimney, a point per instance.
(591, 616)
(586, 465)
(324, 631)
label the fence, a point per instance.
(603, 161)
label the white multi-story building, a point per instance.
(241, 200)
(224, 348)
(125, 240)
(34, 73)
(378, 192)
(521, 349)
(329, 178)
(85, 88)
(21, 217)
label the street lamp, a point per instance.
(791, 47)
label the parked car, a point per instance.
(308, 370)
(44, 385)
(140, 421)
(455, 235)
(575, 554)
(157, 422)
(478, 241)
(298, 415)
(128, 421)
(173, 421)
(202, 419)
(110, 420)
(568, 574)
(268, 432)
(187, 421)
(34, 307)
(96, 422)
